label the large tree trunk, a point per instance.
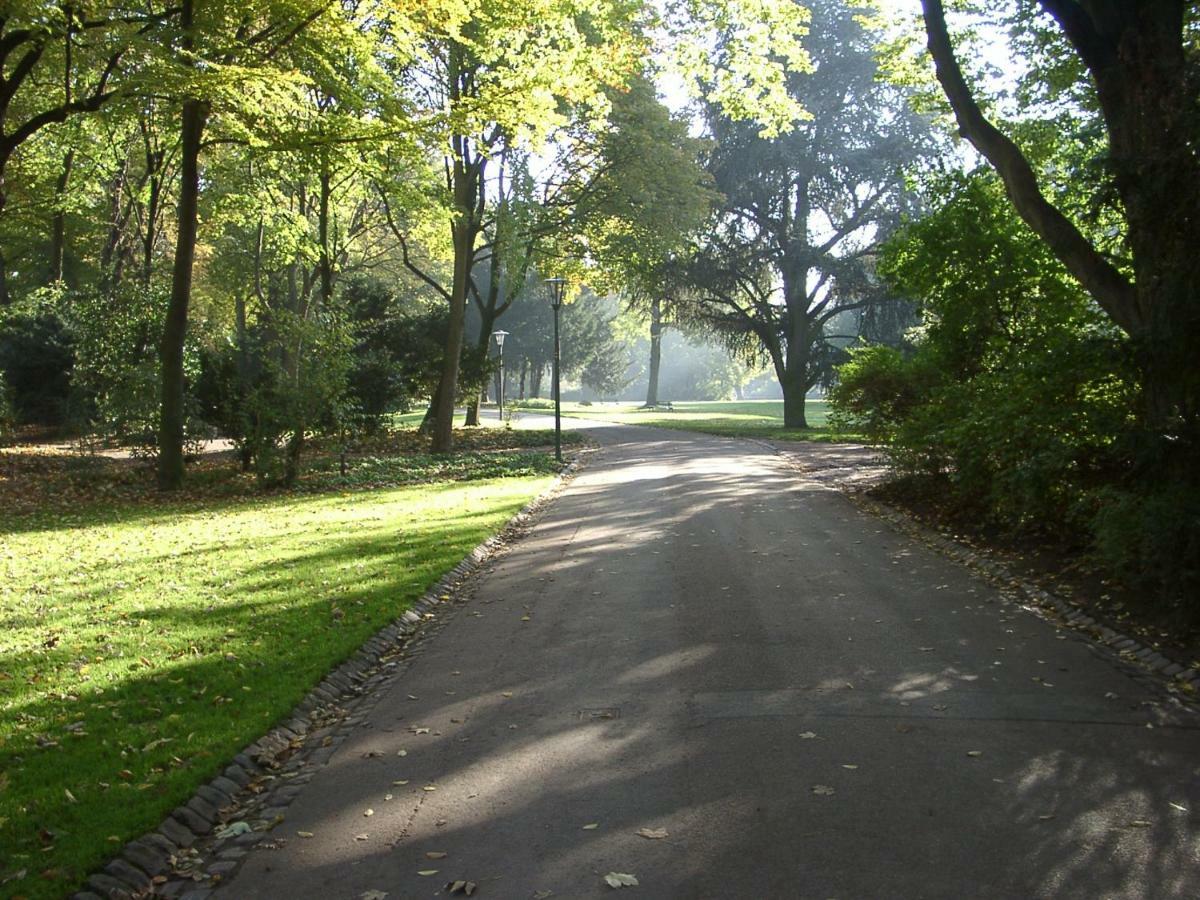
(170, 433)
(467, 186)
(794, 396)
(656, 329)
(1135, 53)
(487, 322)
(4, 298)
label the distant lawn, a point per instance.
(748, 419)
(146, 641)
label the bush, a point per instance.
(1153, 541)
(8, 417)
(115, 389)
(1016, 399)
(37, 359)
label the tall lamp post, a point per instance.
(558, 288)
(500, 336)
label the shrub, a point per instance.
(37, 359)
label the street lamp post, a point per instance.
(500, 336)
(558, 287)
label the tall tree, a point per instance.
(59, 60)
(1138, 61)
(791, 244)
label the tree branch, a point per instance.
(1099, 277)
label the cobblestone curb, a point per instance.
(1181, 681)
(203, 841)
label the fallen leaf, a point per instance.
(506, 693)
(387, 797)
(807, 735)
(1046, 818)
(543, 895)
(420, 731)
(361, 837)
(653, 834)
(1141, 823)
(591, 826)
(305, 834)
(70, 796)
(400, 782)
(427, 872)
(620, 879)
(429, 787)
(822, 790)
(435, 854)
(234, 829)
(368, 813)
(849, 766)
(402, 753)
(461, 887)
(974, 753)
(373, 895)
(1178, 807)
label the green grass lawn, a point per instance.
(750, 418)
(143, 644)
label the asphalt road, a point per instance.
(696, 639)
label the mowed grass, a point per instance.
(748, 419)
(143, 645)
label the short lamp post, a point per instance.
(558, 288)
(500, 336)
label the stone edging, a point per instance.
(205, 839)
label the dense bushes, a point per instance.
(1015, 399)
(36, 362)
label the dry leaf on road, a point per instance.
(653, 834)
(620, 879)
(822, 790)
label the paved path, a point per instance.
(696, 639)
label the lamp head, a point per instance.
(500, 336)
(558, 288)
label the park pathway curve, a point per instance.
(791, 698)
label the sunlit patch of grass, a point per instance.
(747, 419)
(143, 645)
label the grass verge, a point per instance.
(145, 642)
(745, 419)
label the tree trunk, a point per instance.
(487, 322)
(58, 226)
(467, 178)
(655, 352)
(170, 434)
(794, 396)
(4, 298)
(521, 389)
(535, 379)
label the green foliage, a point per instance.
(397, 349)
(115, 393)
(37, 356)
(8, 413)
(1016, 402)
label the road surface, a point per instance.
(697, 641)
